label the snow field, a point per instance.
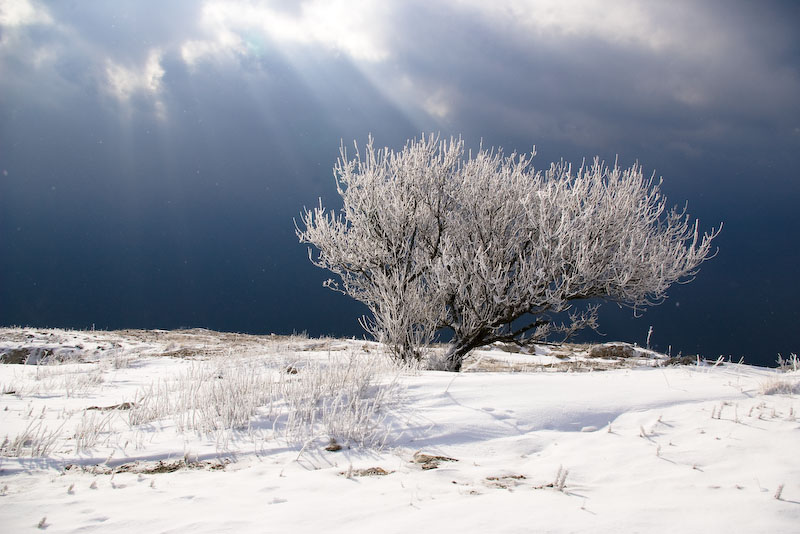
(242, 443)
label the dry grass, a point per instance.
(781, 386)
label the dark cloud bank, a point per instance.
(151, 165)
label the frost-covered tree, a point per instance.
(489, 248)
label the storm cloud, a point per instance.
(153, 155)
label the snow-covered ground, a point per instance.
(198, 431)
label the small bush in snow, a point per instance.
(561, 478)
(778, 386)
(789, 364)
(36, 441)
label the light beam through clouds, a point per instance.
(156, 152)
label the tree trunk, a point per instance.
(460, 348)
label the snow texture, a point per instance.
(510, 446)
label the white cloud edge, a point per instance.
(123, 82)
(353, 28)
(23, 13)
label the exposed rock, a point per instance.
(430, 461)
(682, 360)
(36, 355)
(333, 446)
(15, 356)
(612, 351)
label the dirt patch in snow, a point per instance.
(120, 406)
(504, 481)
(147, 468)
(366, 472)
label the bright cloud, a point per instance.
(22, 13)
(438, 104)
(124, 82)
(353, 28)
(626, 22)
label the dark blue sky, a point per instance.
(154, 154)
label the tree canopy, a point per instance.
(432, 237)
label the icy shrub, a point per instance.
(490, 249)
